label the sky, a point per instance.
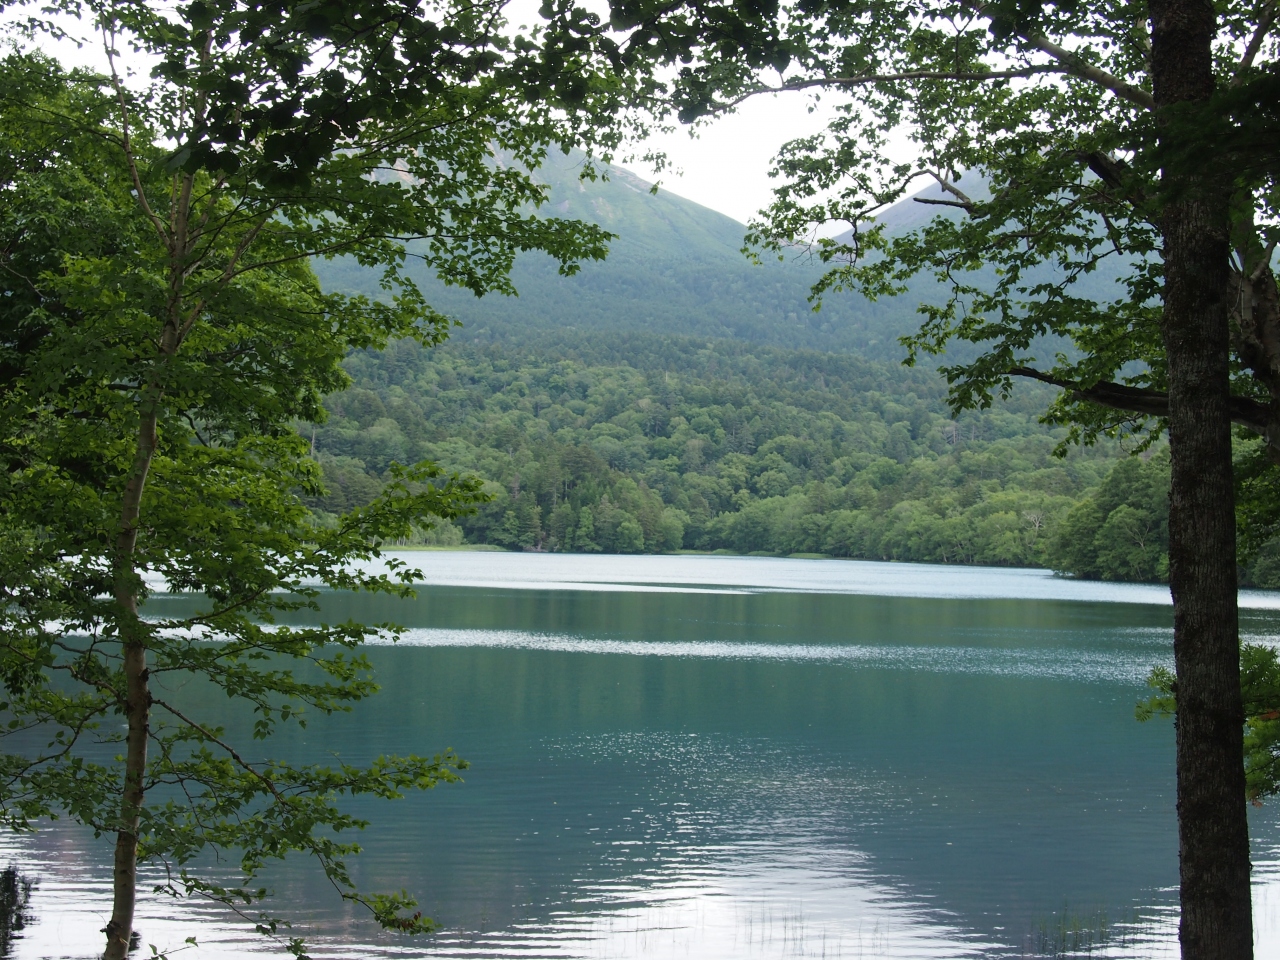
(726, 167)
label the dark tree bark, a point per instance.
(1212, 826)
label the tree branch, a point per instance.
(1082, 68)
(126, 140)
(865, 78)
(949, 187)
(945, 203)
(1264, 264)
(1265, 21)
(1075, 64)
(229, 272)
(975, 75)
(1245, 412)
(230, 750)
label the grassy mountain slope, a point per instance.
(677, 268)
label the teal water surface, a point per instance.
(732, 757)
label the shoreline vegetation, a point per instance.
(633, 443)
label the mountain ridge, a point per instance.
(675, 267)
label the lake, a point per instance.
(732, 757)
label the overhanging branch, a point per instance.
(1245, 412)
(1074, 63)
(861, 79)
(967, 75)
(944, 203)
(1265, 22)
(1082, 68)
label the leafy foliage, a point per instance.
(1260, 685)
(1257, 512)
(754, 449)
(1120, 531)
(1036, 122)
(161, 331)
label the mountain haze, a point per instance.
(677, 268)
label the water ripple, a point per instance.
(1108, 666)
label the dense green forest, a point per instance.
(677, 397)
(644, 443)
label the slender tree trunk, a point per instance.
(1213, 831)
(133, 634)
(125, 876)
(137, 695)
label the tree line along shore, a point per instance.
(635, 443)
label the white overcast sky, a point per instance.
(726, 167)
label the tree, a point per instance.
(1058, 137)
(1121, 530)
(1260, 690)
(161, 334)
(584, 538)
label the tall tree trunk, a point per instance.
(137, 705)
(1213, 832)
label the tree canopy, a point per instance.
(733, 446)
(161, 333)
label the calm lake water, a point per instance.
(715, 757)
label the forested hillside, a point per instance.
(677, 397)
(645, 443)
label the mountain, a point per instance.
(675, 268)
(676, 396)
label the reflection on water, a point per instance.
(15, 904)
(666, 574)
(734, 771)
(1065, 664)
